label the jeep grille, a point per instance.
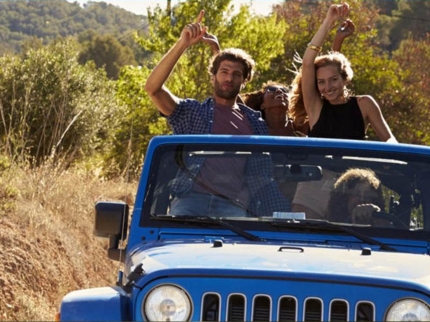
(286, 309)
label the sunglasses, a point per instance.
(273, 89)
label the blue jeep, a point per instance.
(360, 260)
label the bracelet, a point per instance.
(313, 47)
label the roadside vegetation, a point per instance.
(48, 248)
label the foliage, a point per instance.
(262, 37)
(388, 78)
(51, 106)
(106, 52)
(48, 247)
(190, 78)
(8, 196)
(399, 19)
(376, 73)
(303, 20)
(8, 192)
(414, 101)
(411, 17)
(386, 6)
(23, 20)
(136, 127)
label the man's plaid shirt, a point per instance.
(192, 117)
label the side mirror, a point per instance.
(111, 221)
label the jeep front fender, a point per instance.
(97, 304)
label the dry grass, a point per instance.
(48, 249)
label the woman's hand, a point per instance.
(337, 12)
(346, 29)
(212, 41)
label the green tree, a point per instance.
(412, 108)
(386, 6)
(136, 127)
(412, 17)
(22, 20)
(260, 36)
(106, 52)
(51, 106)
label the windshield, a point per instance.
(230, 182)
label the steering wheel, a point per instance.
(390, 217)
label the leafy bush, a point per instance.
(51, 106)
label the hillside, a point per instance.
(48, 248)
(23, 21)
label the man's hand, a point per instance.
(194, 32)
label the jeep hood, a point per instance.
(284, 258)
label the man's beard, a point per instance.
(226, 94)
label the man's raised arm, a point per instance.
(160, 94)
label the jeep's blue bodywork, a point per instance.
(279, 266)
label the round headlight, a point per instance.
(167, 303)
(408, 310)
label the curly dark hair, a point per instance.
(337, 209)
(235, 55)
(255, 99)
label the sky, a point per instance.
(140, 6)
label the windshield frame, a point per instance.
(399, 159)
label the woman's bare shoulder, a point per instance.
(366, 101)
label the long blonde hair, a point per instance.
(296, 105)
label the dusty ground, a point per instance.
(47, 245)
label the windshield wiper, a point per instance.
(325, 224)
(209, 220)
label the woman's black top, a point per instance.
(343, 121)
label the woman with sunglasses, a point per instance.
(272, 101)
